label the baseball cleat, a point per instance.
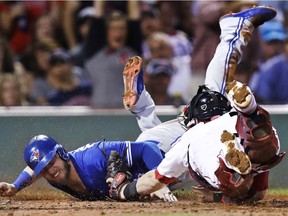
(240, 94)
(236, 159)
(256, 15)
(133, 81)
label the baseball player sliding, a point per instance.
(230, 153)
(82, 173)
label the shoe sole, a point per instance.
(240, 94)
(131, 70)
(257, 15)
(237, 159)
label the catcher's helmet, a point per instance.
(204, 105)
(40, 151)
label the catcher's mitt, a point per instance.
(117, 173)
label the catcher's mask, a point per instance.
(40, 151)
(204, 105)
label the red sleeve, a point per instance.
(163, 179)
(260, 182)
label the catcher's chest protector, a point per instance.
(258, 138)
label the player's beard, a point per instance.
(67, 167)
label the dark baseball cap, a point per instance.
(59, 57)
(158, 66)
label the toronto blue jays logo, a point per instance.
(35, 156)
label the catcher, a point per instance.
(231, 154)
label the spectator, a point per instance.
(18, 19)
(64, 85)
(33, 65)
(36, 59)
(269, 83)
(107, 48)
(160, 47)
(157, 78)
(11, 91)
(6, 57)
(44, 31)
(169, 19)
(271, 87)
(150, 23)
(273, 36)
(185, 17)
(83, 21)
(14, 25)
(153, 21)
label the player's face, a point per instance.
(57, 171)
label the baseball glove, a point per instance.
(118, 173)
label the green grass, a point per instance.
(278, 191)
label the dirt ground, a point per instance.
(50, 202)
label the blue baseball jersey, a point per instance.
(90, 162)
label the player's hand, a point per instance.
(7, 189)
(164, 194)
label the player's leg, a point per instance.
(165, 134)
(139, 102)
(236, 31)
(135, 98)
(254, 127)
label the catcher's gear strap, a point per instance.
(118, 182)
(232, 184)
(258, 138)
(163, 179)
(130, 191)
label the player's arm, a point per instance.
(123, 189)
(147, 184)
(25, 178)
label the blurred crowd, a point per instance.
(73, 52)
